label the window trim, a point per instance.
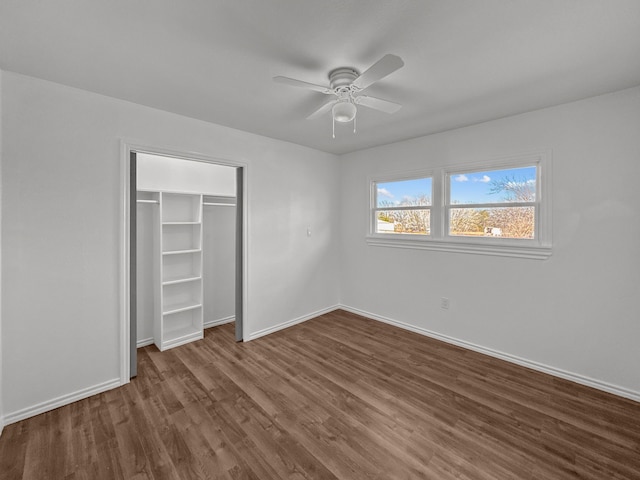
(439, 239)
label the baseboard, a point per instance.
(211, 323)
(145, 342)
(574, 377)
(220, 321)
(290, 323)
(60, 401)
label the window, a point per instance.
(402, 207)
(493, 203)
(500, 207)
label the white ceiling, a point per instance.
(466, 61)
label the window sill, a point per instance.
(518, 251)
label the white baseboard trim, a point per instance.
(220, 321)
(556, 372)
(211, 323)
(60, 401)
(291, 323)
(144, 342)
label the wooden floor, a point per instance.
(338, 397)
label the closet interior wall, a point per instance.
(218, 263)
(145, 270)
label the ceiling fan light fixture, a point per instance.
(344, 111)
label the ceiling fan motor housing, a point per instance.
(342, 77)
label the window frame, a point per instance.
(439, 238)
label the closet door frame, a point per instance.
(128, 254)
(133, 268)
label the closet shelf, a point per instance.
(180, 252)
(180, 279)
(180, 307)
(182, 336)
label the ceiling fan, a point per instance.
(346, 84)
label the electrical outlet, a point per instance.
(444, 303)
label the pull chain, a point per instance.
(333, 126)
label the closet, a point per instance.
(185, 249)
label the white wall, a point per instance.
(218, 263)
(576, 312)
(145, 272)
(61, 232)
(157, 172)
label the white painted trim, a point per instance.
(125, 172)
(60, 401)
(556, 372)
(145, 342)
(220, 321)
(531, 252)
(1, 210)
(291, 323)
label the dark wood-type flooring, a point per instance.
(338, 397)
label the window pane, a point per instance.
(494, 186)
(404, 193)
(403, 221)
(505, 222)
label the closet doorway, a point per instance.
(186, 249)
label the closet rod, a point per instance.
(209, 204)
(204, 203)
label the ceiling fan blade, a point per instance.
(377, 104)
(322, 110)
(299, 83)
(383, 67)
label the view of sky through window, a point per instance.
(404, 192)
(493, 186)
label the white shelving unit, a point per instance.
(180, 318)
